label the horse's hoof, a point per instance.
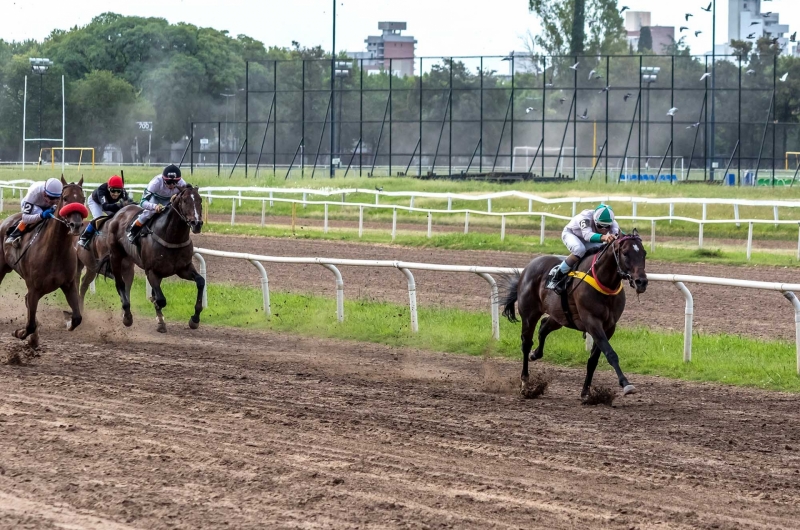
(33, 341)
(127, 320)
(629, 389)
(161, 328)
(193, 324)
(68, 320)
(21, 334)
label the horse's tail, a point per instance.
(509, 285)
(104, 267)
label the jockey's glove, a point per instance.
(49, 213)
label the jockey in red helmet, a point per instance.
(105, 201)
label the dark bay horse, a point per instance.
(165, 250)
(594, 310)
(46, 258)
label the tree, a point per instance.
(99, 109)
(645, 40)
(603, 31)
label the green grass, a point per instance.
(512, 243)
(716, 358)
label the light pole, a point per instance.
(342, 70)
(39, 66)
(714, 86)
(649, 76)
(333, 86)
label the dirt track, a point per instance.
(759, 314)
(217, 428)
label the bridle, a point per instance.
(615, 246)
(176, 209)
(57, 216)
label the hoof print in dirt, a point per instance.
(534, 387)
(19, 354)
(599, 395)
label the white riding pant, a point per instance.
(576, 245)
(146, 215)
(95, 208)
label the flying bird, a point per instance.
(707, 9)
(793, 37)
(698, 32)
(624, 8)
(784, 77)
(767, 14)
(562, 100)
(575, 66)
(605, 89)
(528, 110)
(549, 83)
(379, 189)
(755, 23)
(627, 96)
(751, 36)
(683, 28)
(705, 76)
(591, 74)
(672, 111)
(751, 72)
(585, 114)
(688, 15)
(694, 125)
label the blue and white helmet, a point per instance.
(53, 188)
(603, 216)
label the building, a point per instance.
(663, 36)
(389, 51)
(745, 19)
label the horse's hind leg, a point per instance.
(87, 280)
(189, 273)
(29, 331)
(158, 299)
(547, 326)
(528, 327)
(75, 303)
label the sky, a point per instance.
(472, 28)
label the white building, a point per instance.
(745, 19)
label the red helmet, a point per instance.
(115, 182)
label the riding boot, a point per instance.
(133, 233)
(86, 238)
(14, 238)
(554, 282)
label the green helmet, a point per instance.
(603, 216)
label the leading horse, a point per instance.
(588, 305)
(165, 249)
(46, 258)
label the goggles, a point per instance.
(114, 190)
(603, 226)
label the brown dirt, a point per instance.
(761, 314)
(126, 428)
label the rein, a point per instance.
(167, 209)
(595, 282)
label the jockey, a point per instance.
(156, 197)
(589, 229)
(39, 204)
(105, 201)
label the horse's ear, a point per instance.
(64, 182)
(635, 233)
(80, 182)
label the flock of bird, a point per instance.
(594, 75)
(707, 9)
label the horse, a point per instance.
(46, 258)
(165, 249)
(90, 257)
(587, 305)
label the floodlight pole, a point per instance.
(24, 120)
(333, 89)
(713, 89)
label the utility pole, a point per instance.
(333, 87)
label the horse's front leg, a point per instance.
(190, 273)
(595, 329)
(158, 299)
(75, 303)
(29, 331)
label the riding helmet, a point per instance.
(53, 188)
(115, 183)
(171, 173)
(603, 215)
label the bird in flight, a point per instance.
(624, 8)
(627, 96)
(379, 189)
(707, 9)
(767, 14)
(672, 111)
(698, 32)
(751, 72)
(591, 74)
(793, 37)
(784, 77)
(605, 89)
(528, 110)
(694, 125)
(562, 99)
(705, 76)
(688, 15)
(575, 66)
(751, 36)
(549, 84)
(755, 23)
(585, 114)
(683, 28)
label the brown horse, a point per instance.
(593, 310)
(46, 258)
(90, 257)
(165, 250)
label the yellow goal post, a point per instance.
(62, 149)
(796, 155)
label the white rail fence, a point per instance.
(680, 281)
(267, 196)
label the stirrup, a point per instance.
(555, 280)
(13, 241)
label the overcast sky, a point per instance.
(441, 27)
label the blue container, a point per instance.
(730, 179)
